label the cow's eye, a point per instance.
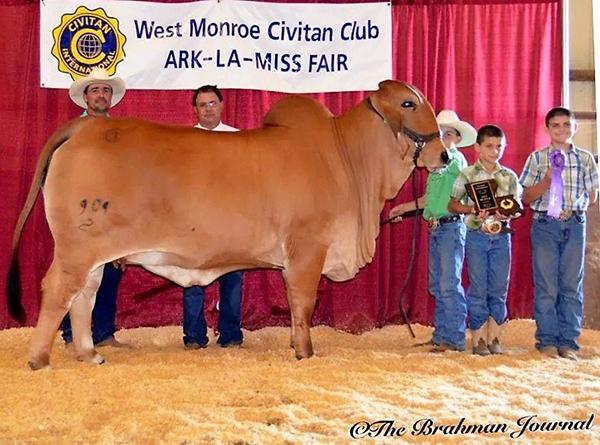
(408, 104)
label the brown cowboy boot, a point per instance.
(479, 337)
(494, 334)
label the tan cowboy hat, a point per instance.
(448, 118)
(97, 75)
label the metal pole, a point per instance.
(566, 41)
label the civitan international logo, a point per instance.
(86, 39)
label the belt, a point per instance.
(434, 223)
(565, 215)
(502, 228)
(491, 227)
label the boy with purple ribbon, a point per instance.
(560, 181)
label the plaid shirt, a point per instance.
(506, 179)
(580, 177)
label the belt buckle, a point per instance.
(565, 215)
(491, 226)
(434, 224)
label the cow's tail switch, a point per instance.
(13, 281)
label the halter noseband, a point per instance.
(419, 139)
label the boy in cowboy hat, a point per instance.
(446, 237)
(96, 94)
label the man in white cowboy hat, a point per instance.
(96, 94)
(446, 236)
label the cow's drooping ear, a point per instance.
(382, 101)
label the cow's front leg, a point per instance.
(302, 272)
(81, 319)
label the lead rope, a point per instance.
(413, 248)
(420, 140)
(411, 260)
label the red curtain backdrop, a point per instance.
(491, 61)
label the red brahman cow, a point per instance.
(302, 194)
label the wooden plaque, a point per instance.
(482, 193)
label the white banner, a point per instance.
(297, 48)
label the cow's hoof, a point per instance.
(93, 358)
(36, 365)
(39, 361)
(300, 355)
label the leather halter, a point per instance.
(419, 139)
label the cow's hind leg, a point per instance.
(81, 319)
(302, 272)
(59, 286)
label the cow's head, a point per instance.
(410, 116)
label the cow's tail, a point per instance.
(13, 281)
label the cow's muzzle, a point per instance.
(445, 157)
(421, 140)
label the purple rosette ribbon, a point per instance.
(555, 197)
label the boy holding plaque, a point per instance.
(560, 181)
(489, 194)
(446, 237)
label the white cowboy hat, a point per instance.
(448, 118)
(97, 75)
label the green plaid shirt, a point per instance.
(506, 179)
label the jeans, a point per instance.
(105, 308)
(194, 323)
(446, 255)
(488, 262)
(558, 250)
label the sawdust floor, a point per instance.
(159, 393)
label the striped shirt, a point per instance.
(580, 177)
(506, 179)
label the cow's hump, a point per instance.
(297, 111)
